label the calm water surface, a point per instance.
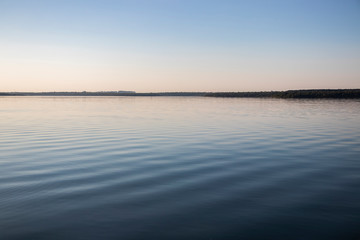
(179, 168)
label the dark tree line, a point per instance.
(317, 93)
(102, 94)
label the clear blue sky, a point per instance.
(179, 45)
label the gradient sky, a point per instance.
(179, 45)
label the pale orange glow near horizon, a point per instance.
(56, 69)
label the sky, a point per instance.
(179, 45)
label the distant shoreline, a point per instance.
(313, 93)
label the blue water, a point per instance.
(179, 168)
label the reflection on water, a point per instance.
(179, 168)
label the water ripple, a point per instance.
(179, 168)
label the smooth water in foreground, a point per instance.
(179, 168)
